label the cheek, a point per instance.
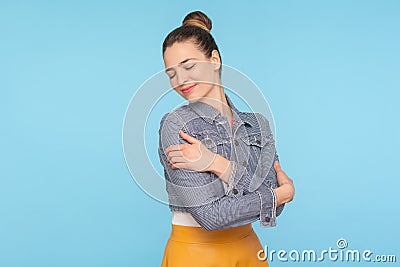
(203, 73)
(173, 82)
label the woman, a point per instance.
(217, 160)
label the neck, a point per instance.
(216, 98)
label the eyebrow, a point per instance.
(184, 61)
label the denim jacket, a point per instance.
(250, 147)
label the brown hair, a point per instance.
(196, 26)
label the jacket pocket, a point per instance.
(261, 150)
(212, 140)
(259, 139)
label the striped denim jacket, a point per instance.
(250, 147)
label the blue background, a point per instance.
(68, 69)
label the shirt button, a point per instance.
(267, 219)
(258, 142)
(208, 141)
(234, 191)
(236, 142)
(244, 163)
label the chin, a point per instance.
(194, 97)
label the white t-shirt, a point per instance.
(185, 218)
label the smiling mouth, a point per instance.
(188, 89)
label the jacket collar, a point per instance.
(209, 114)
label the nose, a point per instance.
(181, 77)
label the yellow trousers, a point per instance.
(196, 247)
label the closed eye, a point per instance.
(170, 73)
(189, 66)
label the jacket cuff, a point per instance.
(268, 206)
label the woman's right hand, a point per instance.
(285, 191)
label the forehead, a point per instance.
(181, 51)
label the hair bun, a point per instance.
(197, 19)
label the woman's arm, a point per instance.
(221, 167)
(221, 211)
(284, 193)
(195, 156)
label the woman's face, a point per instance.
(192, 74)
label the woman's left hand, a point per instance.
(193, 156)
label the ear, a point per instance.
(216, 60)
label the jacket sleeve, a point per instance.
(271, 181)
(265, 173)
(202, 193)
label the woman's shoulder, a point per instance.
(257, 122)
(179, 118)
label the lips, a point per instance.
(188, 89)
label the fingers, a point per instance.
(176, 165)
(174, 157)
(277, 166)
(280, 174)
(188, 138)
(171, 148)
(173, 154)
(172, 165)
